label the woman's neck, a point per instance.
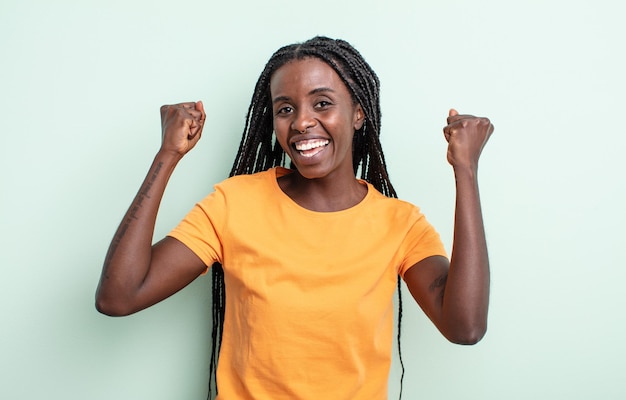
(323, 194)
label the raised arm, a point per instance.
(135, 273)
(455, 294)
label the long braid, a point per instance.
(259, 150)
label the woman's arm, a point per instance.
(455, 294)
(136, 274)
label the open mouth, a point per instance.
(309, 148)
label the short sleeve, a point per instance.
(202, 228)
(421, 241)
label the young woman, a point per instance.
(310, 254)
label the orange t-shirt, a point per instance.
(309, 310)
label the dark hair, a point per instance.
(259, 149)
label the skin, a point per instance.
(136, 274)
(455, 294)
(310, 102)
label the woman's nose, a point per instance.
(302, 122)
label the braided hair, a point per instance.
(259, 149)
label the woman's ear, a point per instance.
(359, 117)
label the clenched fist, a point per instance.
(466, 136)
(181, 126)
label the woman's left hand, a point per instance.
(466, 136)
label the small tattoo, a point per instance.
(439, 283)
(131, 215)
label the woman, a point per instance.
(311, 254)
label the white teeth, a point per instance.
(310, 144)
(311, 153)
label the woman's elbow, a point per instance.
(467, 336)
(111, 308)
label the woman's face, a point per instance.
(314, 118)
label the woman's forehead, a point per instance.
(307, 73)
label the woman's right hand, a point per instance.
(181, 126)
(135, 273)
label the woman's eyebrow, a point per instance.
(278, 99)
(321, 90)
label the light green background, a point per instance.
(80, 87)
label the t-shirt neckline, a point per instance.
(277, 172)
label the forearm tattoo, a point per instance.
(131, 215)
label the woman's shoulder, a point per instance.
(398, 208)
(240, 190)
(249, 181)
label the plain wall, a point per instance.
(81, 83)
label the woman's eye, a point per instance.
(284, 110)
(323, 104)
